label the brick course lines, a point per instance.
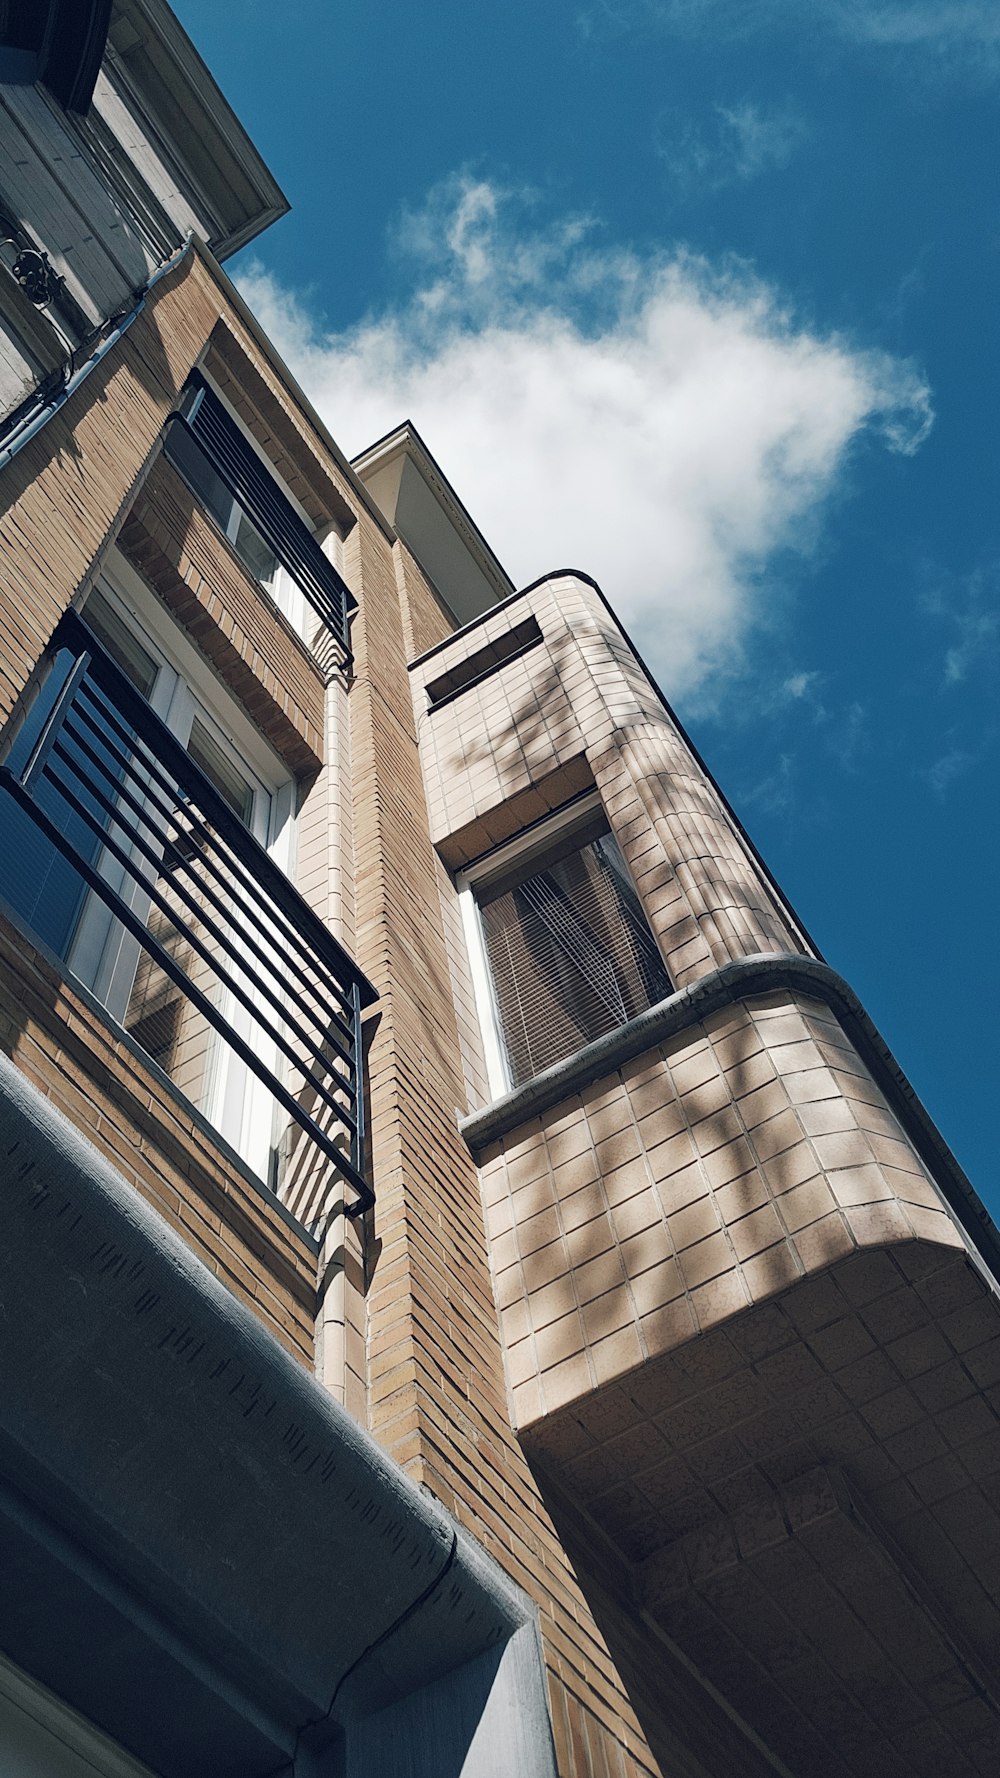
(583, 698)
(711, 1487)
(742, 1194)
(180, 553)
(75, 1060)
(437, 1394)
(66, 497)
(68, 489)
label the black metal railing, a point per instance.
(227, 452)
(147, 832)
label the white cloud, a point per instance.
(954, 35)
(799, 685)
(951, 765)
(971, 607)
(661, 423)
(737, 143)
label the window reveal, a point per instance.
(570, 953)
(277, 548)
(134, 848)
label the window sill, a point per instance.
(179, 550)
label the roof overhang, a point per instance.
(195, 126)
(418, 500)
(186, 1516)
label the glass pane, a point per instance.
(218, 767)
(197, 471)
(123, 647)
(42, 886)
(255, 554)
(571, 955)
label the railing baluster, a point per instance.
(227, 452)
(93, 739)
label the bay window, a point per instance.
(560, 947)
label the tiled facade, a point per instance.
(690, 1339)
(716, 1252)
(706, 1176)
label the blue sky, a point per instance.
(702, 298)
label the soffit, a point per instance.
(157, 63)
(807, 1505)
(418, 500)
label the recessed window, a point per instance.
(507, 647)
(113, 802)
(234, 484)
(567, 950)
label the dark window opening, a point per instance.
(485, 661)
(222, 468)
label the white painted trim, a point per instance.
(233, 1100)
(520, 850)
(497, 1074)
(537, 838)
(125, 588)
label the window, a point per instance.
(560, 946)
(234, 484)
(143, 842)
(260, 561)
(509, 646)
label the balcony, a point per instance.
(224, 976)
(753, 1367)
(221, 467)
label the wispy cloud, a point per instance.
(848, 738)
(799, 685)
(951, 765)
(662, 422)
(970, 607)
(958, 36)
(735, 144)
(776, 792)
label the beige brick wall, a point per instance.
(578, 710)
(92, 478)
(72, 1055)
(437, 1398)
(181, 554)
(703, 1178)
(66, 492)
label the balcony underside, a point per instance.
(806, 1505)
(756, 1371)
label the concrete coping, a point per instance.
(759, 974)
(168, 1470)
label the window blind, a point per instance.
(571, 955)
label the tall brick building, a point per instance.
(478, 1295)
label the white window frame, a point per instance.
(513, 854)
(102, 954)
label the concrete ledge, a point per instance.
(202, 1551)
(762, 974)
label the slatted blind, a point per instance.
(570, 953)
